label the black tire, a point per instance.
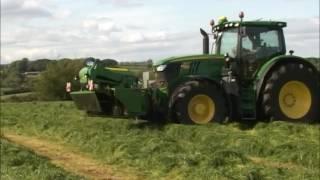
(291, 93)
(185, 94)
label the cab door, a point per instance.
(258, 45)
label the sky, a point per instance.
(135, 30)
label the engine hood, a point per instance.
(198, 57)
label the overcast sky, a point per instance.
(139, 29)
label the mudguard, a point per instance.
(268, 67)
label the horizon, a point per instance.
(132, 30)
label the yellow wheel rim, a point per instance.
(201, 109)
(295, 99)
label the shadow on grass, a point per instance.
(159, 125)
(142, 124)
(247, 124)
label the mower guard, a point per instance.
(86, 100)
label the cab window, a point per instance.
(260, 43)
(228, 42)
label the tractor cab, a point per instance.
(248, 43)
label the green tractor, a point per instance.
(246, 76)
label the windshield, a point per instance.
(227, 42)
(262, 41)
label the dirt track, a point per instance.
(89, 168)
(68, 160)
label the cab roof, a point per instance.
(230, 24)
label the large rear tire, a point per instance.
(291, 93)
(199, 102)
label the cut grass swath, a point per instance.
(276, 150)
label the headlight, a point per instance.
(161, 68)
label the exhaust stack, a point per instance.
(205, 41)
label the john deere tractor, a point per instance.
(247, 75)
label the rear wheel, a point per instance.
(199, 102)
(291, 94)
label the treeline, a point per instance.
(15, 75)
(47, 78)
(147, 63)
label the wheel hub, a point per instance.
(201, 109)
(295, 99)
(289, 100)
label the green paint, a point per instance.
(135, 100)
(198, 57)
(83, 75)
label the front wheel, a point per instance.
(199, 102)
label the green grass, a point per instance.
(276, 150)
(4, 90)
(18, 94)
(11, 91)
(28, 96)
(20, 163)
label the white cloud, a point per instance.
(302, 35)
(24, 9)
(137, 34)
(123, 3)
(61, 13)
(31, 9)
(102, 24)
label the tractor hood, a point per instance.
(199, 57)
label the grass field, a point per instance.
(19, 97)
(20, 163)
(276, 150)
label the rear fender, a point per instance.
(266, 70)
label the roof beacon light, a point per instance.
(241, 15)
(212, 23)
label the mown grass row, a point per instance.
(20, 163)
(20, 97)
(276, 150)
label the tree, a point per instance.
(51, 82)
(11, 79)
(149, 63)
(109, 62)
(19, 66)
(39, 65)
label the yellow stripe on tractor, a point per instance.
(117, 69)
